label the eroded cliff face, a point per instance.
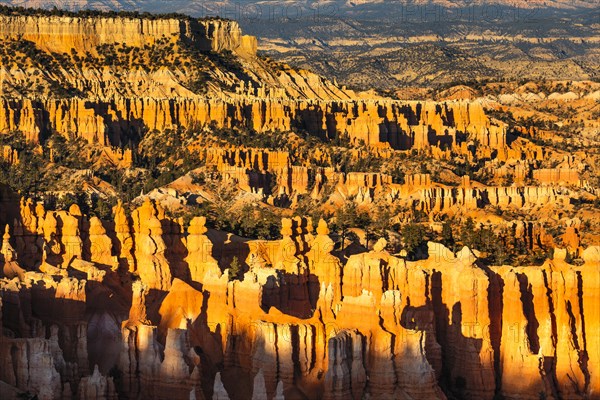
(143, 306)
(87, 77)
(252, 170)
(402, 125)
(82, 34)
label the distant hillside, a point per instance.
(180, 6)
(398, 44)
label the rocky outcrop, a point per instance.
(199, 250)
(102, 121)
(568, 176)
(345, 352)
(113, 106)
(259, 159)
(97, 387)
(152, 265)
(28, 365)
(440, 199)
(147, 306)
(219, 392)
(218, 35)
(378, 325)
(160, 321)
(61, 34)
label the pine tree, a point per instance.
(413, 237)
(467, 233)
(235, 269)
(447, 235)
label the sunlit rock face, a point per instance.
(402, 125)
(146, 306)
(116, 102)
(301, 323)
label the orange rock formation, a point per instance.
(153, 321)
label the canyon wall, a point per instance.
(143, 306)
(404, 125)
(62, 34)
(113, 103)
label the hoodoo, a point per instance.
(184, 217)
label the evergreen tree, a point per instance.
(467, 233)
(413, 237)
(447, 235)
(235, 269)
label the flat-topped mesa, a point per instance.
(61, 34)
(109, 108)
